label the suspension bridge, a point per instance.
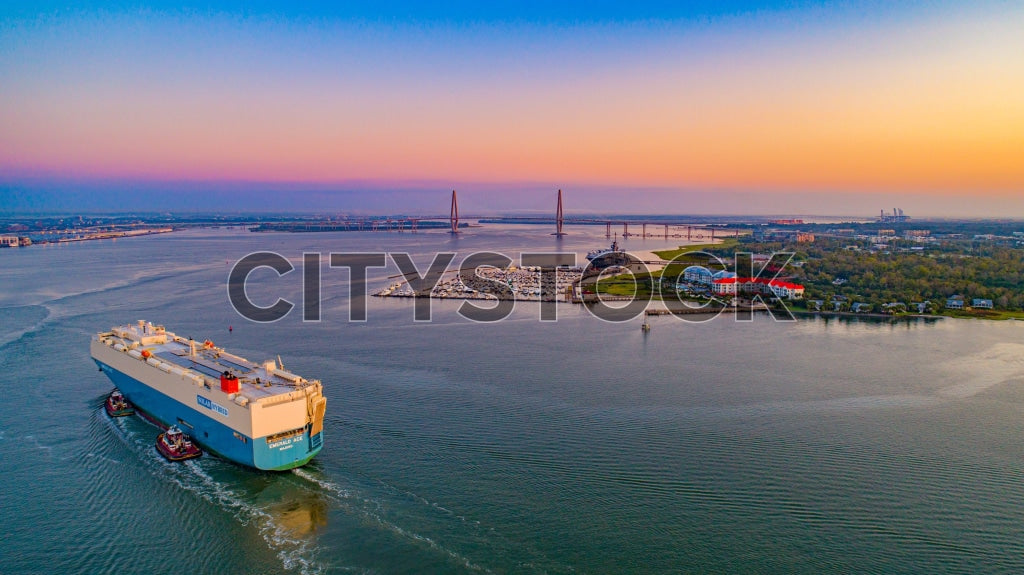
(456, 224)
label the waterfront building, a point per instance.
(725, 286)
(698, 274)
(702, 275)
(894, 307)
(727, 283)
(778, 288)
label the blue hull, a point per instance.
(213, 436)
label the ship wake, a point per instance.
(286, 521)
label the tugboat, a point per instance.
(176, 446)
(117, 406)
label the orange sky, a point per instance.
(931, 103)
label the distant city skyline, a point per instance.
(237, 198)
(705, 108)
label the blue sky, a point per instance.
(467, 12)
(812, 107)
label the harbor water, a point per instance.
(519, 446)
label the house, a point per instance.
(860, 307)
(981, 303)
(955, 302)
(921, 307)
(894, 307)
(815, 303)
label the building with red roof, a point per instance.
(778, 288)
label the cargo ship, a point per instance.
(254, 414)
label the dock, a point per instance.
(707, 310)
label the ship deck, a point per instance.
(258, 381)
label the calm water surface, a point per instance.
(578, 446)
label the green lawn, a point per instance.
(984, 314)
(623, 285)
(672, 254)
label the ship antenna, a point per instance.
(279, 364)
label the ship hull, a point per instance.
(212, 435)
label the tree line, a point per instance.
(970, 269)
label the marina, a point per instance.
(516, 283)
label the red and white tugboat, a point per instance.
(117, 406)
(176, 446)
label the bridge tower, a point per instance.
(559, 219)
(644, 235)
(607, 229)
(666, 231)
(454, 217)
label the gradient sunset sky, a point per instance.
(697, 107)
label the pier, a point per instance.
(686, 310)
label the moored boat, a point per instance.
(613, 256)
(176, 446)
(594, 254)
(117, 406)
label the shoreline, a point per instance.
(871, 315)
